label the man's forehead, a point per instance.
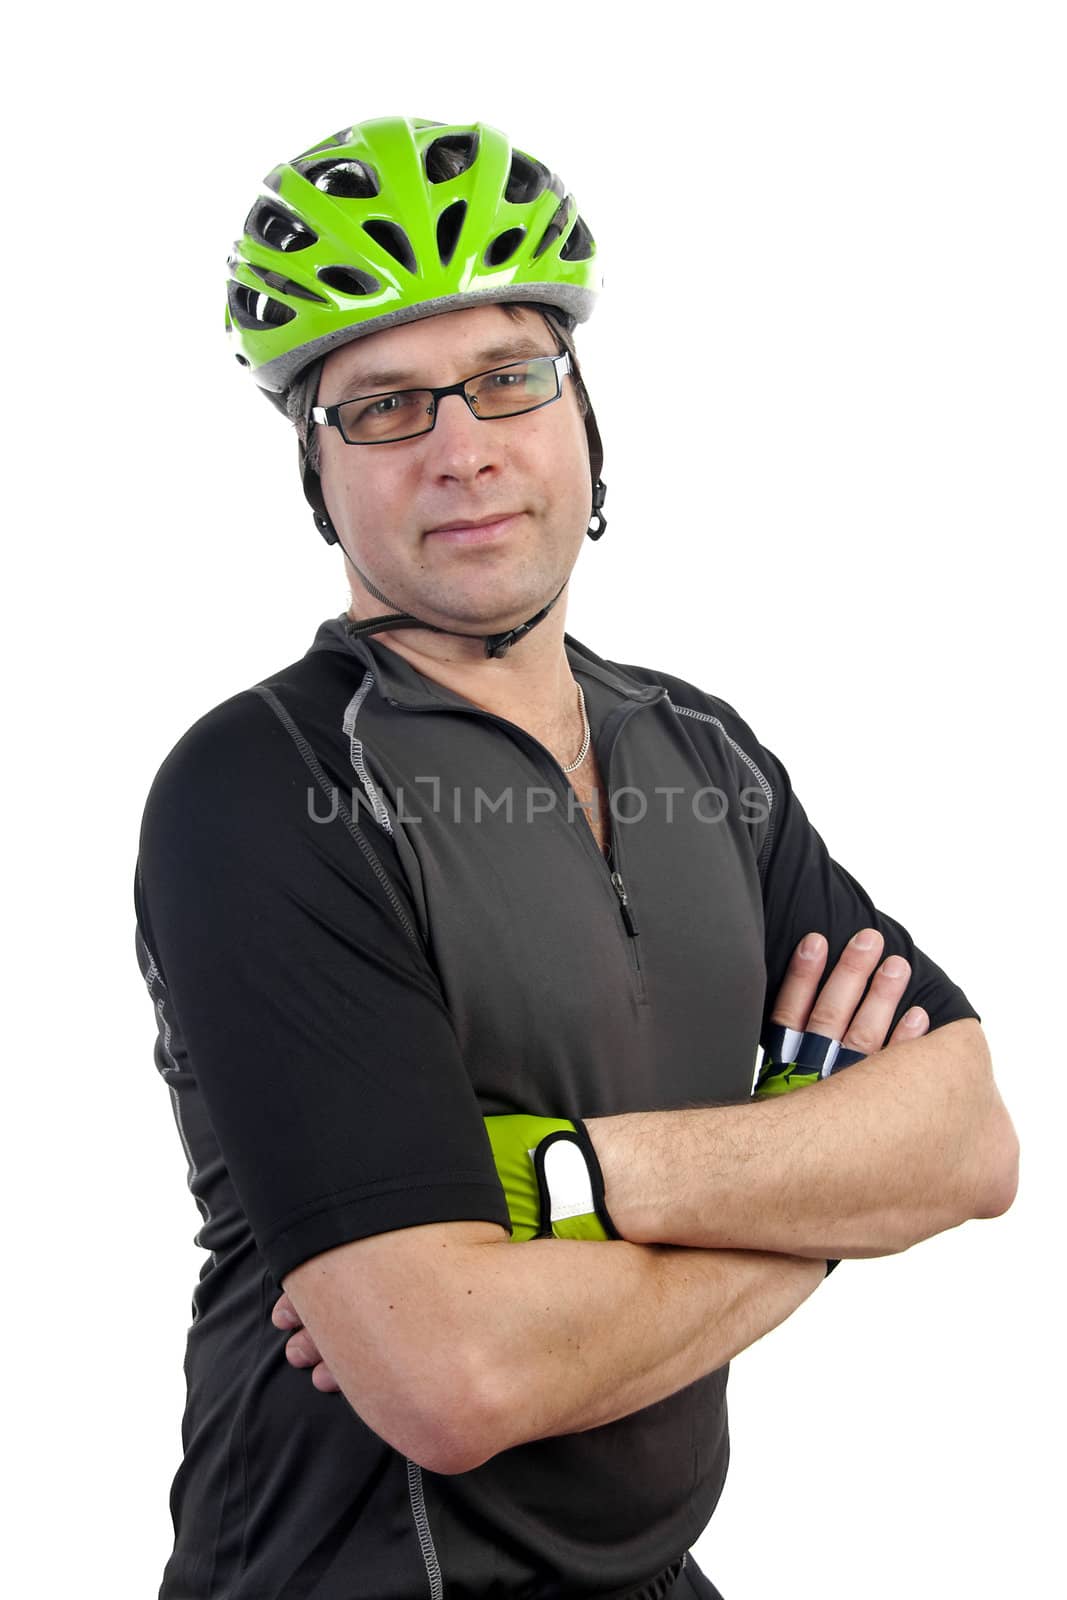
(408, 349)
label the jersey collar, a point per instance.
(402, 684)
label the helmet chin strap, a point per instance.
(497, 645)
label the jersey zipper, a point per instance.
(610, 863)
(617, 886)
(624, 902)
(630, 924)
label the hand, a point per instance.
(301, 1350)
(811, 1038)
(836, 1014)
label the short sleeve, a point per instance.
(306, 1007)
(805, 890)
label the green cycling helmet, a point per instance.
(394, 219)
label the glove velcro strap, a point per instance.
(810, 1052)
(570, 1186)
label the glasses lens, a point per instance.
(515, 388)
(387, 416)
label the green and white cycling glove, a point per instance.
(551, 1178)
(792, 1059)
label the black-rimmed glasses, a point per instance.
(404, 413)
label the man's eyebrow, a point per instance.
(361, 383)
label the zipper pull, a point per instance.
(624, 904)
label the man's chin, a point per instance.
(466, 615)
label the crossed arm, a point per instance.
(910, 1142)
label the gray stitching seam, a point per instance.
(422, 1528)
(355, 750)
(313, 764)
(704, 716)
(151, 973)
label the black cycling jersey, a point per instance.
(370, 914)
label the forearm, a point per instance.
(593, 1332)
(453, 1342)
(913, 1140)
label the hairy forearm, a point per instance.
(902, 1145)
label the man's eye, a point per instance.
(508, 380)
(383, 406)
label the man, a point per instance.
(460, 936)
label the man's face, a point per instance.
(385, 500)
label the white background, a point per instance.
(835, 233)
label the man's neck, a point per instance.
(531, 684)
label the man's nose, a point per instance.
(459, 444)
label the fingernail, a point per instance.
(915, 1017)
(285, 1319)
(863, 940)
(895, 967)
(811, 945)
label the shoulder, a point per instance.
(709, 722)
(260, 736)
(240, 774)
(225, 752)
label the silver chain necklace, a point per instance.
(584, 751)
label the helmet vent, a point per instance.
(526, 180)
(393, 239)
(251, 308)
(348, 179)
(449, 224)
(349, 280)
(342, 136)
(274, 280)
(555, 227)
(504, 246)
(579, 246)
(270, 224)
(450, 155)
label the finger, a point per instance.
(800, 985)
(285, 1314)
(870, 1024)
(912, 1025)
(843, 989)
(301, 1351)
(324, 1379)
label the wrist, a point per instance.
(628, 1195)
(594, 1172)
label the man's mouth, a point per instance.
(479, 531)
